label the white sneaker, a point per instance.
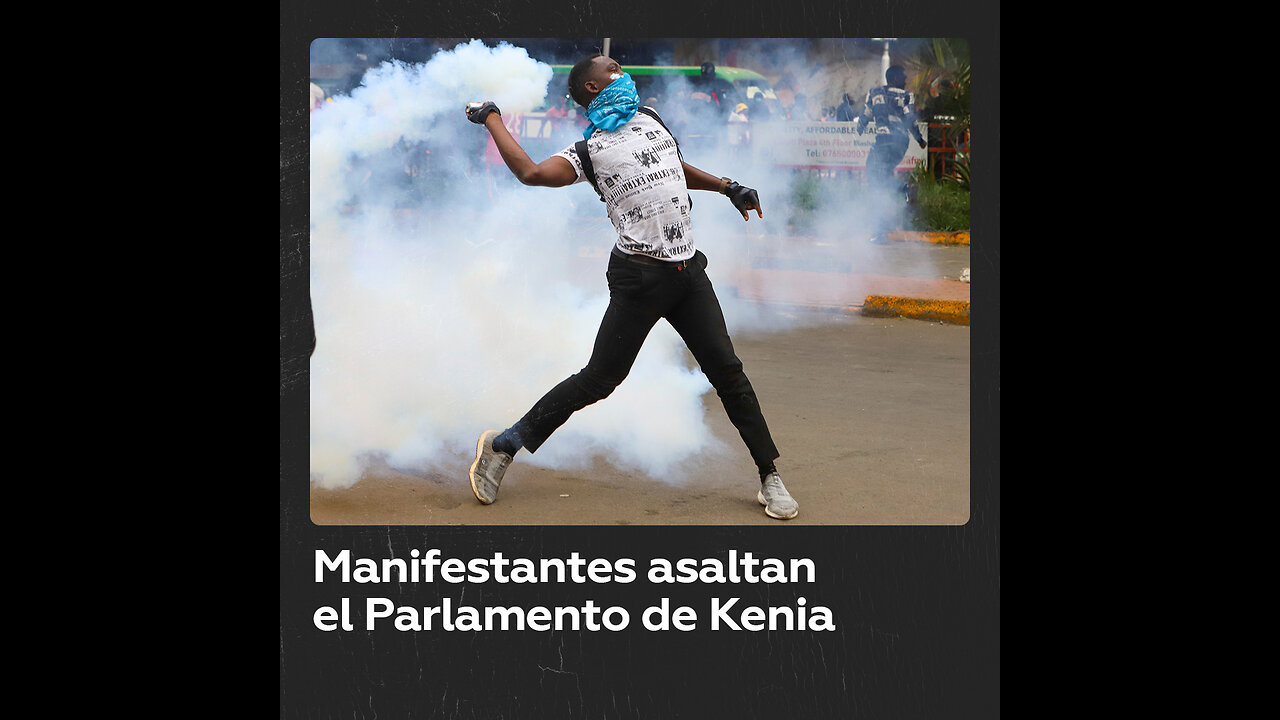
(777, 502)
(489, 467)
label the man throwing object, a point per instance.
(654, 271)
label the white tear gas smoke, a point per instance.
(448, 298)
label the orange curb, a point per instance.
(955, 312)
(952, 311)
(960, 237)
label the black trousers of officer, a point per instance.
(881, 161)
(639, 295)
(885, 155)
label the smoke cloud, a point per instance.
(448, 297)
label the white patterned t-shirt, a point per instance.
(639, 172)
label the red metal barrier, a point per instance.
(943, 154)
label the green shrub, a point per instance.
(940, 207)
(806, 191)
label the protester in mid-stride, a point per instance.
(654, 271)
(893, 111)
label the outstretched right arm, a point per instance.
(555, 171)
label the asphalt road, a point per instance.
(871, 416)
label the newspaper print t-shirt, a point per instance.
(639, 173)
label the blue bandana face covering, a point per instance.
(613, 107)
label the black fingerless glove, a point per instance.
(477, 112)
(742, 197)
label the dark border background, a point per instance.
(917, 609)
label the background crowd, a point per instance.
(808, 80)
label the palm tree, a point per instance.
(940, 77)
(939, 70)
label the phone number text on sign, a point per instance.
(829, 144)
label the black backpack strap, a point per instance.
(588, 169)
(653, 114)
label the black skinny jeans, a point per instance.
(639, 295)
